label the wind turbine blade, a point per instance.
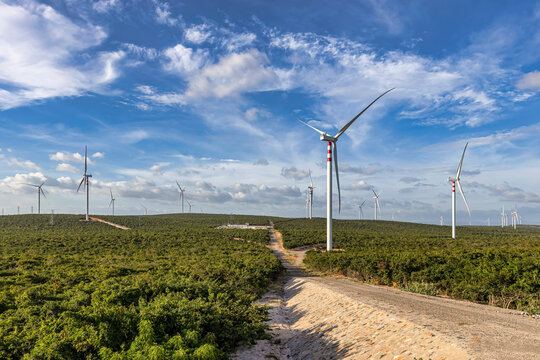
(310, 179)
(362, 203)
(379, 194)
(42, 183)
(110, 203)
(178, 185)
(360, 113)
(317, 130)
(463, 196)
(374, 193)
(30, 184)
(82, 181)
(111, 193)
(85, 159)
(461, 162)
(42, 192)
(337, 176)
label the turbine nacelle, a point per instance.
(326, 137)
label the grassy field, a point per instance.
(173, 287)
(484, 264)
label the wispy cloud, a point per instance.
(49, 43)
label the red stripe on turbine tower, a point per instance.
(329, 156)
(453, 186)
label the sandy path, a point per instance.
(110, 223)
(336, 318)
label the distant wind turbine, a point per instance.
(112, 202)
(84, 181)
(503, 216)
(332, 142)
(454, 181)
(377, 204)
(39, 191)
(181, 195)
(310, 189)
(145, 209)
(360, 212)
(189, 204)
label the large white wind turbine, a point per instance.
(112, 202)
(332, 141)
(84, 180)
(181, 195)
(377, 204)
(39, 192)
(360, 212)
(454, 181)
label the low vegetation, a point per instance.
(484, 264)
(173, 287)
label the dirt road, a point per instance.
(337, 318)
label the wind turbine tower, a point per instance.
(377, 204)
(332, 142)
(84, 181)
(454, 181)
(181, 195)
(112, 202)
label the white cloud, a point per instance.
(104, 6)
(232, 75)
(39, 46)
(141, 51)
(294, 173)
(346, 74)
(26, 164)
(163, 14)
(69, 157)
(360, 185)
(198, 34)
(253, 114)
(98, 155)
(530, 81)
(234, 42)
(184, 60)
(135, 136)
(67, 167)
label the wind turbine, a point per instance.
(310, 189)
(84, 180)
(189, 206)
(145, 210)
(377, 204)
(39, 191)
(454, 181)
(332, 141)
(502, 217)
(181, 195)
(112, 202)
(307, 204)
(360, 212)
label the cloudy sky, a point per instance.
(207, 93)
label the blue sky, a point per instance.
(207, 93)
